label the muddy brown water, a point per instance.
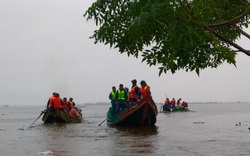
(206, 130)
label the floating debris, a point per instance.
(46, 153)
(199, 122)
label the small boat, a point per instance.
(59, 116)
(167, 108)
(141, 113)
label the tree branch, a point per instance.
(242, 32)
(234, 20)
(247, 52)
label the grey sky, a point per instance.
(44, 47)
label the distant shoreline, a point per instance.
(108, 103)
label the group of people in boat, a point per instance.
(123, 97)
(173, 104)
(68, 106)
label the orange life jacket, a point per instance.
(66, 105)
(56, 102)
(71, 104)
(73, 112)
(166, 102)
(50, 101)
(132, 94)
(173, 103)
(144, 91)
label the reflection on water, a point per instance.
(128, 140)
(55, 135)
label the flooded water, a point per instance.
(206, 130)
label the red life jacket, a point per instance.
(184, 104)
(144, 91)
(132, 94)
(173, 103)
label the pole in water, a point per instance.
(102, 122)
(37, 118)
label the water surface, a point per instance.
(206, 130)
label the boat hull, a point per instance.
(176, 109)
(59, 116)
(142, 113)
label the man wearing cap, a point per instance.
(145, 89)
(135, 93)
(121, 97)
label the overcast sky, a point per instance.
(45, 47)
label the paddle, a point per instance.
(38, 117)
(102, 122)
(112, 115)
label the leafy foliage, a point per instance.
(172, 34)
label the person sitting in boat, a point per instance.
(134, 93)
(74, 113)
(112, 98)
(66, 105)
(121, 98)
(167, 105)
(184, 105)
(56, 102)
(72, 104)
(167, 102)
(145, 89)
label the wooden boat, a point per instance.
(141, 113)
(59, 116)
(166, 108)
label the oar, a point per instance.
(38, 117)
(102, 122)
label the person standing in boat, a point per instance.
(167, 102)
(145, 89)
(173, 103)
(112, 98)
(179, 102)
(56, 102)
(121, 97)
(145, 92)
(50, 99)
(134, 93)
